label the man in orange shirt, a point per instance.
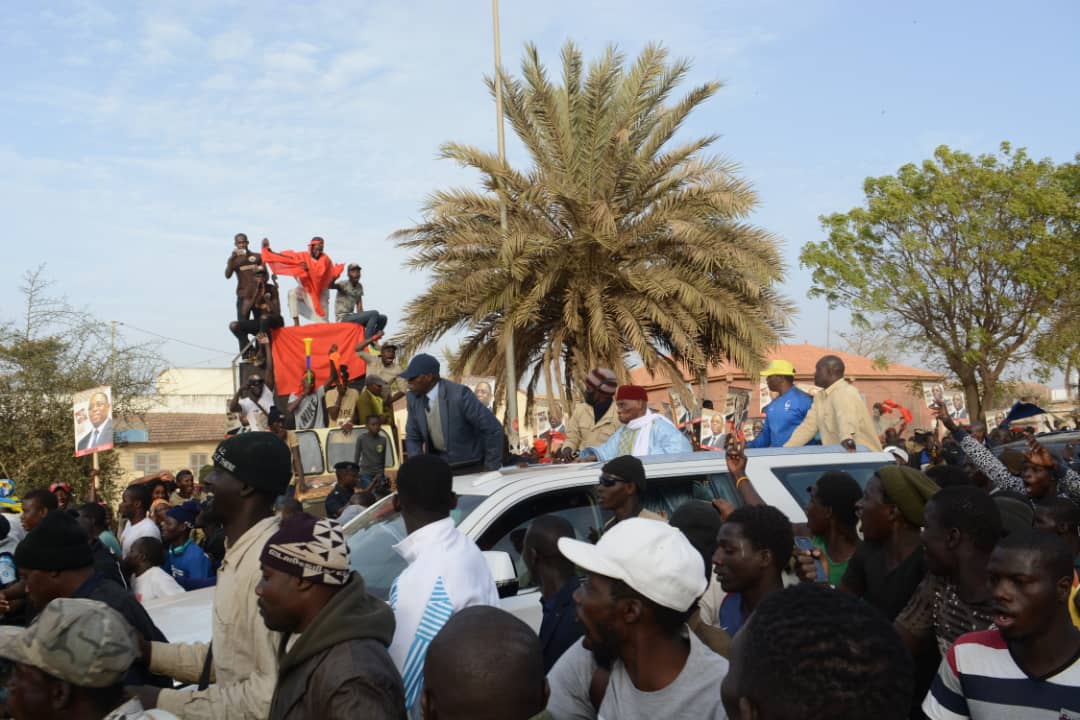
(315, 272)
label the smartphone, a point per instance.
(804, 543)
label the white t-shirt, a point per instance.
(144, 528)
(693, 695)
(155, 583)
(258, 419)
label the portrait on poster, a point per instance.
(92, 416)
(483, 388)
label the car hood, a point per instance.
(185, 618)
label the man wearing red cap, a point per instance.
(643, 432)
(595, 420)
(315, 272)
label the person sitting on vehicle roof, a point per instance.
(643, 432)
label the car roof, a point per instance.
(488, 483)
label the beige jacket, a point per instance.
(245, 664)
(582, 431)
(838, 413)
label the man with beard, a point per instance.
(595, 420)
(250, 471)
(642, 583)
(1028, 665)
(642, 433)
(315, 272)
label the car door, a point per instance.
(576, 505)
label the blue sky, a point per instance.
(136, 138)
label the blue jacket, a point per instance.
(782, 416)
(472, 433)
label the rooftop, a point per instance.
(804, 357)
(180, 427)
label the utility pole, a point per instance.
(508, 331)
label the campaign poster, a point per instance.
(713, 434)
(92, 414)
(483, 388)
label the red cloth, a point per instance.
(320, 274)
(288, 349)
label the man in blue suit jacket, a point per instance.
(446, 419)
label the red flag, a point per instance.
(289, 356)
(318, 276)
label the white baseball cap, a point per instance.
(650, 556)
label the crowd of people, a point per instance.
(911, 597)
(945, 586)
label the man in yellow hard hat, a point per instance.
(787, 411)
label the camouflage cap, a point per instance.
(83, 642)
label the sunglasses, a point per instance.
(609, 480)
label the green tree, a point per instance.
(966, 258)
(51, 352)
(1058, 346)
(620, 242)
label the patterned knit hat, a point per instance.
(602, 379)
(310, 548)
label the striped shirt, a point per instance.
(979, 679)
(446, 573)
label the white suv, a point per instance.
(495, 508)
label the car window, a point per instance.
(311, 456)
(372, 537)
(577, 506)
(341, 447)
(798, 479)
(723, 486)
(665, 495)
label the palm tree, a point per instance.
(618, 243)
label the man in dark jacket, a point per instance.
(446, 419)
(339, 665)
(55, 561)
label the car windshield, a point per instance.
(372, 536)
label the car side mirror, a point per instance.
(502, 569)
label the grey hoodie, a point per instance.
(340, 666)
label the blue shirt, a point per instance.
(782, 416)
(731, 613)
(559, 628)
(190, 566)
